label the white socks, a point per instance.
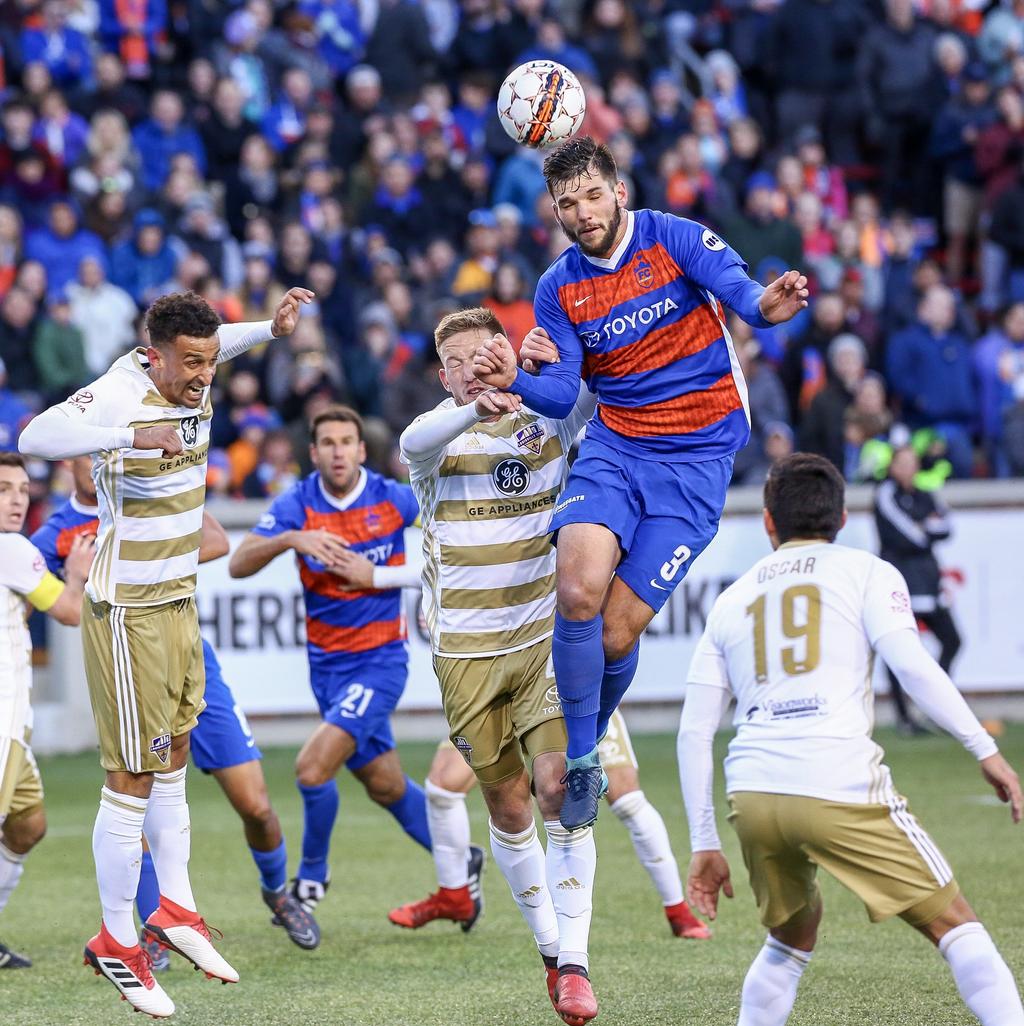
(650, 841)
(11, 867)
(170, 836)
(117, 851)
(982, 977)
(520, 858)
(449, 835)
(770, 987)
(571, 864)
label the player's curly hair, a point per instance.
(181, 313)
(466, 320)
(805, 495)
(576, 158)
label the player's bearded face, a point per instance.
(183, 369)
(338, 454)
(590, 215)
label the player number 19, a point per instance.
(808, 629)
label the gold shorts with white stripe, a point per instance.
(21, 788)
(878, 851)
(146, 679)
(616, 747)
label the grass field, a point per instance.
(368, 973)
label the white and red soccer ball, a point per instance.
(541, 104)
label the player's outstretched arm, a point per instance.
(53, 435)
(214, 542)
(257, 550)
(427, 435)
(237, 338)
(784, 298)
(357, 573)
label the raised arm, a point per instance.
(235, 339)
(52, 435)
(428, 435)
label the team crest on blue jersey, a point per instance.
(531, 438)
(373, 521)
(644, 274)
(590, 338)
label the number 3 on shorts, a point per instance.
(356, 701)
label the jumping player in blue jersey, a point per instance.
(222, 743)
(356, 640)
(635, 307)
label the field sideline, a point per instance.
(369, 973)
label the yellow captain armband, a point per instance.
(46, 592)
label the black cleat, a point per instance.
(294, 917)
(585, 782)
(476, 891)
(309, 893)
(12, 960)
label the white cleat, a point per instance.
(187, 934)
(128, 969)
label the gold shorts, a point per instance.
(500, 707)
(616, 748)
(21, 787)
(878, 851)
(146, 679)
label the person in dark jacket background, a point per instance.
(910, 521)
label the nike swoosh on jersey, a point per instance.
(580, 302)
(655, 584)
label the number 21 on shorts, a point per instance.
(356, 701)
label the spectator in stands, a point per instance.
(897, 77)
(277, 469)
(237, 59)
(17, 329)
(15, 413)
(62, 244)
(284, 123)
(823, 428)
(133, 31)
(10, 245)
(401, 48)
(202, 231)
(998, 366)
(507, 299)
(954, 136)
(929, 368)
(32, 278)
(144, 265)
(474, 274)
(899, 269)
(58, 351)
(162, 135)
(766, 398)
(868, 431)
(111, 92)
(1006, 249)
(104, 313)
(759, 232)
(64, 51)
(803, 372)
(60, 130)
(226, 129)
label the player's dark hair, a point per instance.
(181, 313)
(576, 158)
(466, 320)
(805, 495)
(336, 415)
(12, 459)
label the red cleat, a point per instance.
(186, 932)
(574, 998)
(128, 969)
(551, 973)
(684, 923)
(454, 903)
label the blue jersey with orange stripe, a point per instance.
(54, 537)
(348, 626)
(646, 330)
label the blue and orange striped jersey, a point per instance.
(646, 330)
(342, 626)
(53, 538)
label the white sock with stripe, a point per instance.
(117, 851)
(520, 858)
(650, 841)
(169, 833)
(449, 835)
(982, 977)
(571, 865)
(12, 865)
(770, 987)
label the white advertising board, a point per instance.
(257, 625)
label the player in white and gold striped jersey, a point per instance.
(146, 422)
(24, 578)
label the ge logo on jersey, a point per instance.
(189, 430)
(511, 477)
(711, 241)
(672, 566)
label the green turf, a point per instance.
(369, 973)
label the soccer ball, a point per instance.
(541, 104)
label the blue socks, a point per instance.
(147, 897)
(578, 656)
(617, 678)
(321, 809)
(273, 867)
(411, 812)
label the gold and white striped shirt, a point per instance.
(486, 502)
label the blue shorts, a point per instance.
(222, 737)
(360, 700)
(664, 514)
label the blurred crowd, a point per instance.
(352, 146)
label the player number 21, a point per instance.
(807, 628)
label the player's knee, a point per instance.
(385, 792)
(550, 792)
(579, 599)
(309, 772)
(22, 833)
(618, 639)
(258, 813)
